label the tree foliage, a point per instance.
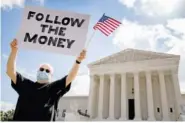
(7, 116)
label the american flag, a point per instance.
(106, 25)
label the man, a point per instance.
(38, 100)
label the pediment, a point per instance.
(130, 55)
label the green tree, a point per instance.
(7, 116)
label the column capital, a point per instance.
(100, 74)
(165, 70)
(160, 71)
(112, 75)
(174, 70)
(135, 73)
(101, 77)
(148, 71)
(123, 73)
(91, 75)
(148, 75)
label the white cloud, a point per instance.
(5, 106)
(128, 3)
(182, 85)
(11, 3)
(80, 86)
(147, 36)
(177, 25)
(162, 38)
(155, 7)
(28, 74)
(83, 70)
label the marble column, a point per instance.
(101, 97)
(177, 93)
(123, 97)
(91, 96)
(150, 100)
(112, 99)
(163, 96)
(137, 97)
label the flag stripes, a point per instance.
(107, 25)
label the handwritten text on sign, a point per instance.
(50, 30)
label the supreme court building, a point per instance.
(134, 85)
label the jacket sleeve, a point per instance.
(21, 85)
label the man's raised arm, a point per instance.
(72, 74)
(11, 68)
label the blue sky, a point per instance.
(140, 22)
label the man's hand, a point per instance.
(72, 74)
(82, 56)
(11, 69)
(13, 45)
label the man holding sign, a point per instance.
(53, 31)
(38, 100)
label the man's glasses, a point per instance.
(42, 69)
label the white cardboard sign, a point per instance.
(52, 30)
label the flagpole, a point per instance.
(88, 42)
(90, 39)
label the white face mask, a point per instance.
(43, 76)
